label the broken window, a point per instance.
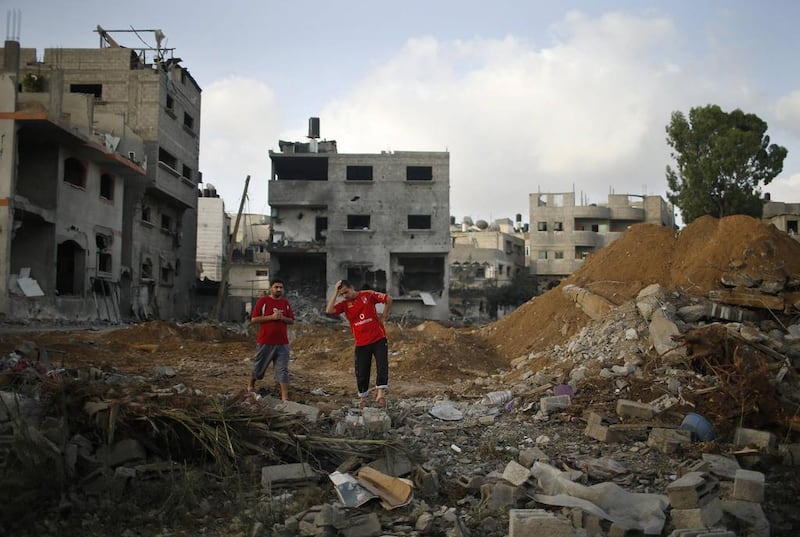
(167, 158)
(170, 103)
(107, 186)
(188, 121)
(419, 273)
(541, 226)
(147, 269)
(542, 254)
(93, 89)
(70, 268)
(359, 173)
(419, 221)
(558, 226)
(363, 278)
(75, 172)
(419, 173)
(147, 214)
(558, 255)
(595, 227)
(166, 222)
(103, 243)
(321, 228)
(167, 274)
(187, 172)
(358, 221)
(791, 227)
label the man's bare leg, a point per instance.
(284, 391)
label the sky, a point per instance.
(527, 96)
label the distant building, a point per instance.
(212, 234)
(249, 274)
(375, 219)
(784, 216)
(483, 256)
(562, 233)
(126, 90)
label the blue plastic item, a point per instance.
(699, 427)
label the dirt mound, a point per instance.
(692, 260)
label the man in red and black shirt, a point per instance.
(273, 313)
(368, 331)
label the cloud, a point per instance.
(587, 112)
(787, 112)
(240, 122)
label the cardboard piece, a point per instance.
(393, 491)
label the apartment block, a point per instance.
(483, 256)
(249, 274)
(380, 220)
(563, 233)
(64, 168)
(143, 91)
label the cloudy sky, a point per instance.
(526, 95)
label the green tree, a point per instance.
(721, 160)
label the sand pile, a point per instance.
(692, 260)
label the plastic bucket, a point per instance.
(699, 427)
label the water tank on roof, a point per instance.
(482, 224)
(313, 127)
(467, 220)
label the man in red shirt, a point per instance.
(368, 331)
(273, 313)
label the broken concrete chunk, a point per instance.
(700, 517)
(279, 474)
(693, 490)
(554, 402)
(750, 298)
(515, 473)
(668, 440)
(754, 438)
(634, 409)
(662, 331)
(748, 486)
(525, 522)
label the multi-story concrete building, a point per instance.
(784, 216)
(249, 271)
(562, 233)
(375, 219)
(64, 168)
(161, 103)
(483, 257)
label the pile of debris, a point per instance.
(654, 392)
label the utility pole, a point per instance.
(226, 264)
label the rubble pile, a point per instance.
(654, 392)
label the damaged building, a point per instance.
(100, 174)
(378, 220)
(563, 233)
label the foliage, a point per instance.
(32, 83)
(721, 160)
(521, 289)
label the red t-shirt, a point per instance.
(363, 316)
(272, 332)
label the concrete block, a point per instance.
(699, 517)
(750, 515)
(693, 466)
(695, 489)
(516, 474)
(531, 455)
(634, 409)
(754, 438)
(499, 495)
(310, 413)
(376, 420)
(598, 428)
(287, 473)
(668, 440)
(526, 522)
(554, 402)
(426, 481)
(748, 486)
